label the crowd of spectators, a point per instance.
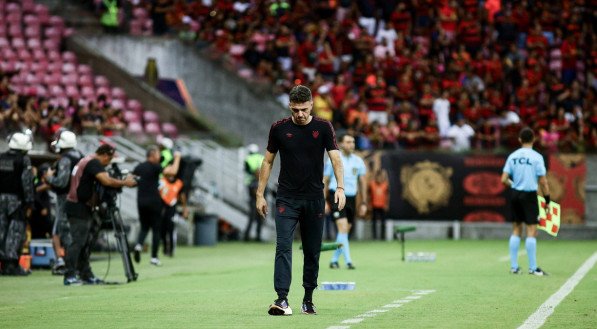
(20, 112)
(415, 73)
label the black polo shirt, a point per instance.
(302, 150)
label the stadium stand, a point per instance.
(44, 87)
(503, 63)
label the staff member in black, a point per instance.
(149, 201)
(302, 141)
(81, 200)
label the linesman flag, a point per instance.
(549, 221)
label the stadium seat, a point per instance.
(134, 128)
(131, 116)
(169, 129)
(152, 128)
(150, 116)
(101, 81)
(118, 93)
(134, 105)
(69, 57)
(84, 69)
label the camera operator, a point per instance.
(81, 202)
(16, 201)
(64, 144)
(149, 201)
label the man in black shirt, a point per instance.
(302, 141)
(81, 202)
(149, 201)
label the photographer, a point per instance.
(149, 201)
(81, 202)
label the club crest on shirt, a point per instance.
(315, 134)
(281, 210)
(289, 135)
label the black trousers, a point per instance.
(150, 218)
(84, 233)
(379, 216)
(253, 218)
(168, 229)
(12, 228)
(310, 215)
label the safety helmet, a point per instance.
(253, 148)
(20, 141)
(66, 139)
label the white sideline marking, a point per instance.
(538, 318)
(507, 258)
(417, 294)
(392, 305)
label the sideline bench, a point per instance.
(400, 230)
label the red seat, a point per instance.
(152, 128)
(28, 6)
(69, 57)
(51, 44)
(24, 55)
(4, 42)
(117, 104)
(84, 69)
(134, 128)
(32, 32)
(56, 91)
(134, 105)
(88, 92)
(3, 30)
(31, 20)
(69, 79)
(68, 68)
(33, 43)
(38, 54)
(118, 93)
(85, 81)
(15, 31)
(131, 116)
(169, 129)
(104, 91)
(18, 43)
(150, 116)
(101, 81)
(72, 91)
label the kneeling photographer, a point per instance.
(81, 202)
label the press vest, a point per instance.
(169, 191)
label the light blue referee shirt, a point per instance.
(525, 166)
(354, 167)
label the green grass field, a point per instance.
(230, 286)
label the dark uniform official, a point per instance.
(16, 201)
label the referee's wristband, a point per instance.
(340, 187)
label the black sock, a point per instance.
(308, 295)
(282, 296)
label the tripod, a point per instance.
(113, 215)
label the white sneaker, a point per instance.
(155, 261)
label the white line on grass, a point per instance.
(417, 294)
(507, 258)
(538, 318)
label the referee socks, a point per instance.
(531, 245)
(514, 245)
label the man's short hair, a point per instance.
(106, 149)
(151, 149)
(526, 135)
(342, 136)
(300, 94)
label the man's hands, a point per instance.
(261, 205)
(547, 201)
(130, 181)
(340, 198)
(363, 209)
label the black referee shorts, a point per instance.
(525, 207)
(349, 210)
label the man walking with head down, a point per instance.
(301, 140)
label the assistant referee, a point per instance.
(524, 172)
